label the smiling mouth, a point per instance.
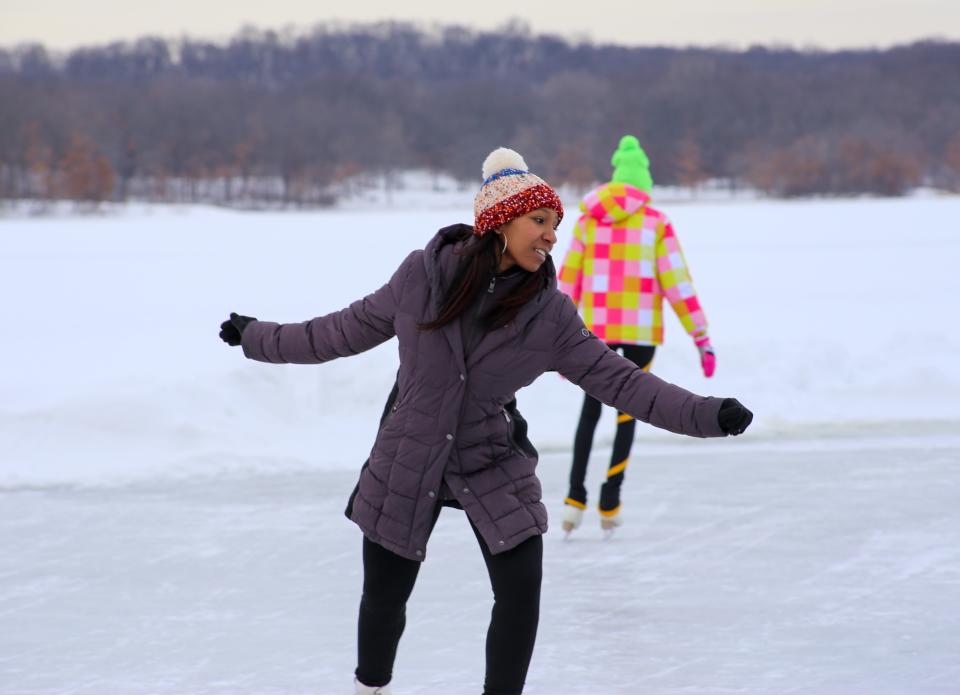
(542, 253)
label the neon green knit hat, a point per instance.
(630, 164)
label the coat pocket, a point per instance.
(516, 431)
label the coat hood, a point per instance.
(440, 258)
(440, 261)
(613, 202)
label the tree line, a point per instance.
(287, 118)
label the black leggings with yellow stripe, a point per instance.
(642, 356)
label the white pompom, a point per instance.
(500, 159)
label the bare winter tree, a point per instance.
(286, 118)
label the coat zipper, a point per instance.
(483, 300)
(513, 441)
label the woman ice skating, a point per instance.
(623, 260)
(477, 315)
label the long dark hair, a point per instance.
(480, 258)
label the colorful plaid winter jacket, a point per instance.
(623, 260)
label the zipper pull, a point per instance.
(505, 415)
(493, 281)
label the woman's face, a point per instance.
(530, 238)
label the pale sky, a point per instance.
(826, 24)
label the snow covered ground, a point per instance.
(171, 513)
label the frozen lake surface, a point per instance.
(755, 569)
(171, 514)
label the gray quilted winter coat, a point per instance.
(448, 423)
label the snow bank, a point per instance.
(830, 318)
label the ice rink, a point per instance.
(171, 514)
(761, 569)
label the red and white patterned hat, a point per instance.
(509, 190)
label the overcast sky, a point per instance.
(736, 23)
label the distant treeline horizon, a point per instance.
(283, 118)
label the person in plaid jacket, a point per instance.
(624, 259)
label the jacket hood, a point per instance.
(440, 258)
(613, 202)
(441, 262)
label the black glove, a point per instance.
(733, 417)
(231, 330)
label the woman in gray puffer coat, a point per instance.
(477, 315)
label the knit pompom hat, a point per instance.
(509, 190)
(631, 165)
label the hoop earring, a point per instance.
(504, 249)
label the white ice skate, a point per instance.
(361, 689)
(610, 521)
(572, 516)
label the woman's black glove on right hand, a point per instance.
(733, 417)
(231, 330)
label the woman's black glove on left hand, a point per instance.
(733, 417)
(231, 330)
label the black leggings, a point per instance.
(388, 581)
(642, 356)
